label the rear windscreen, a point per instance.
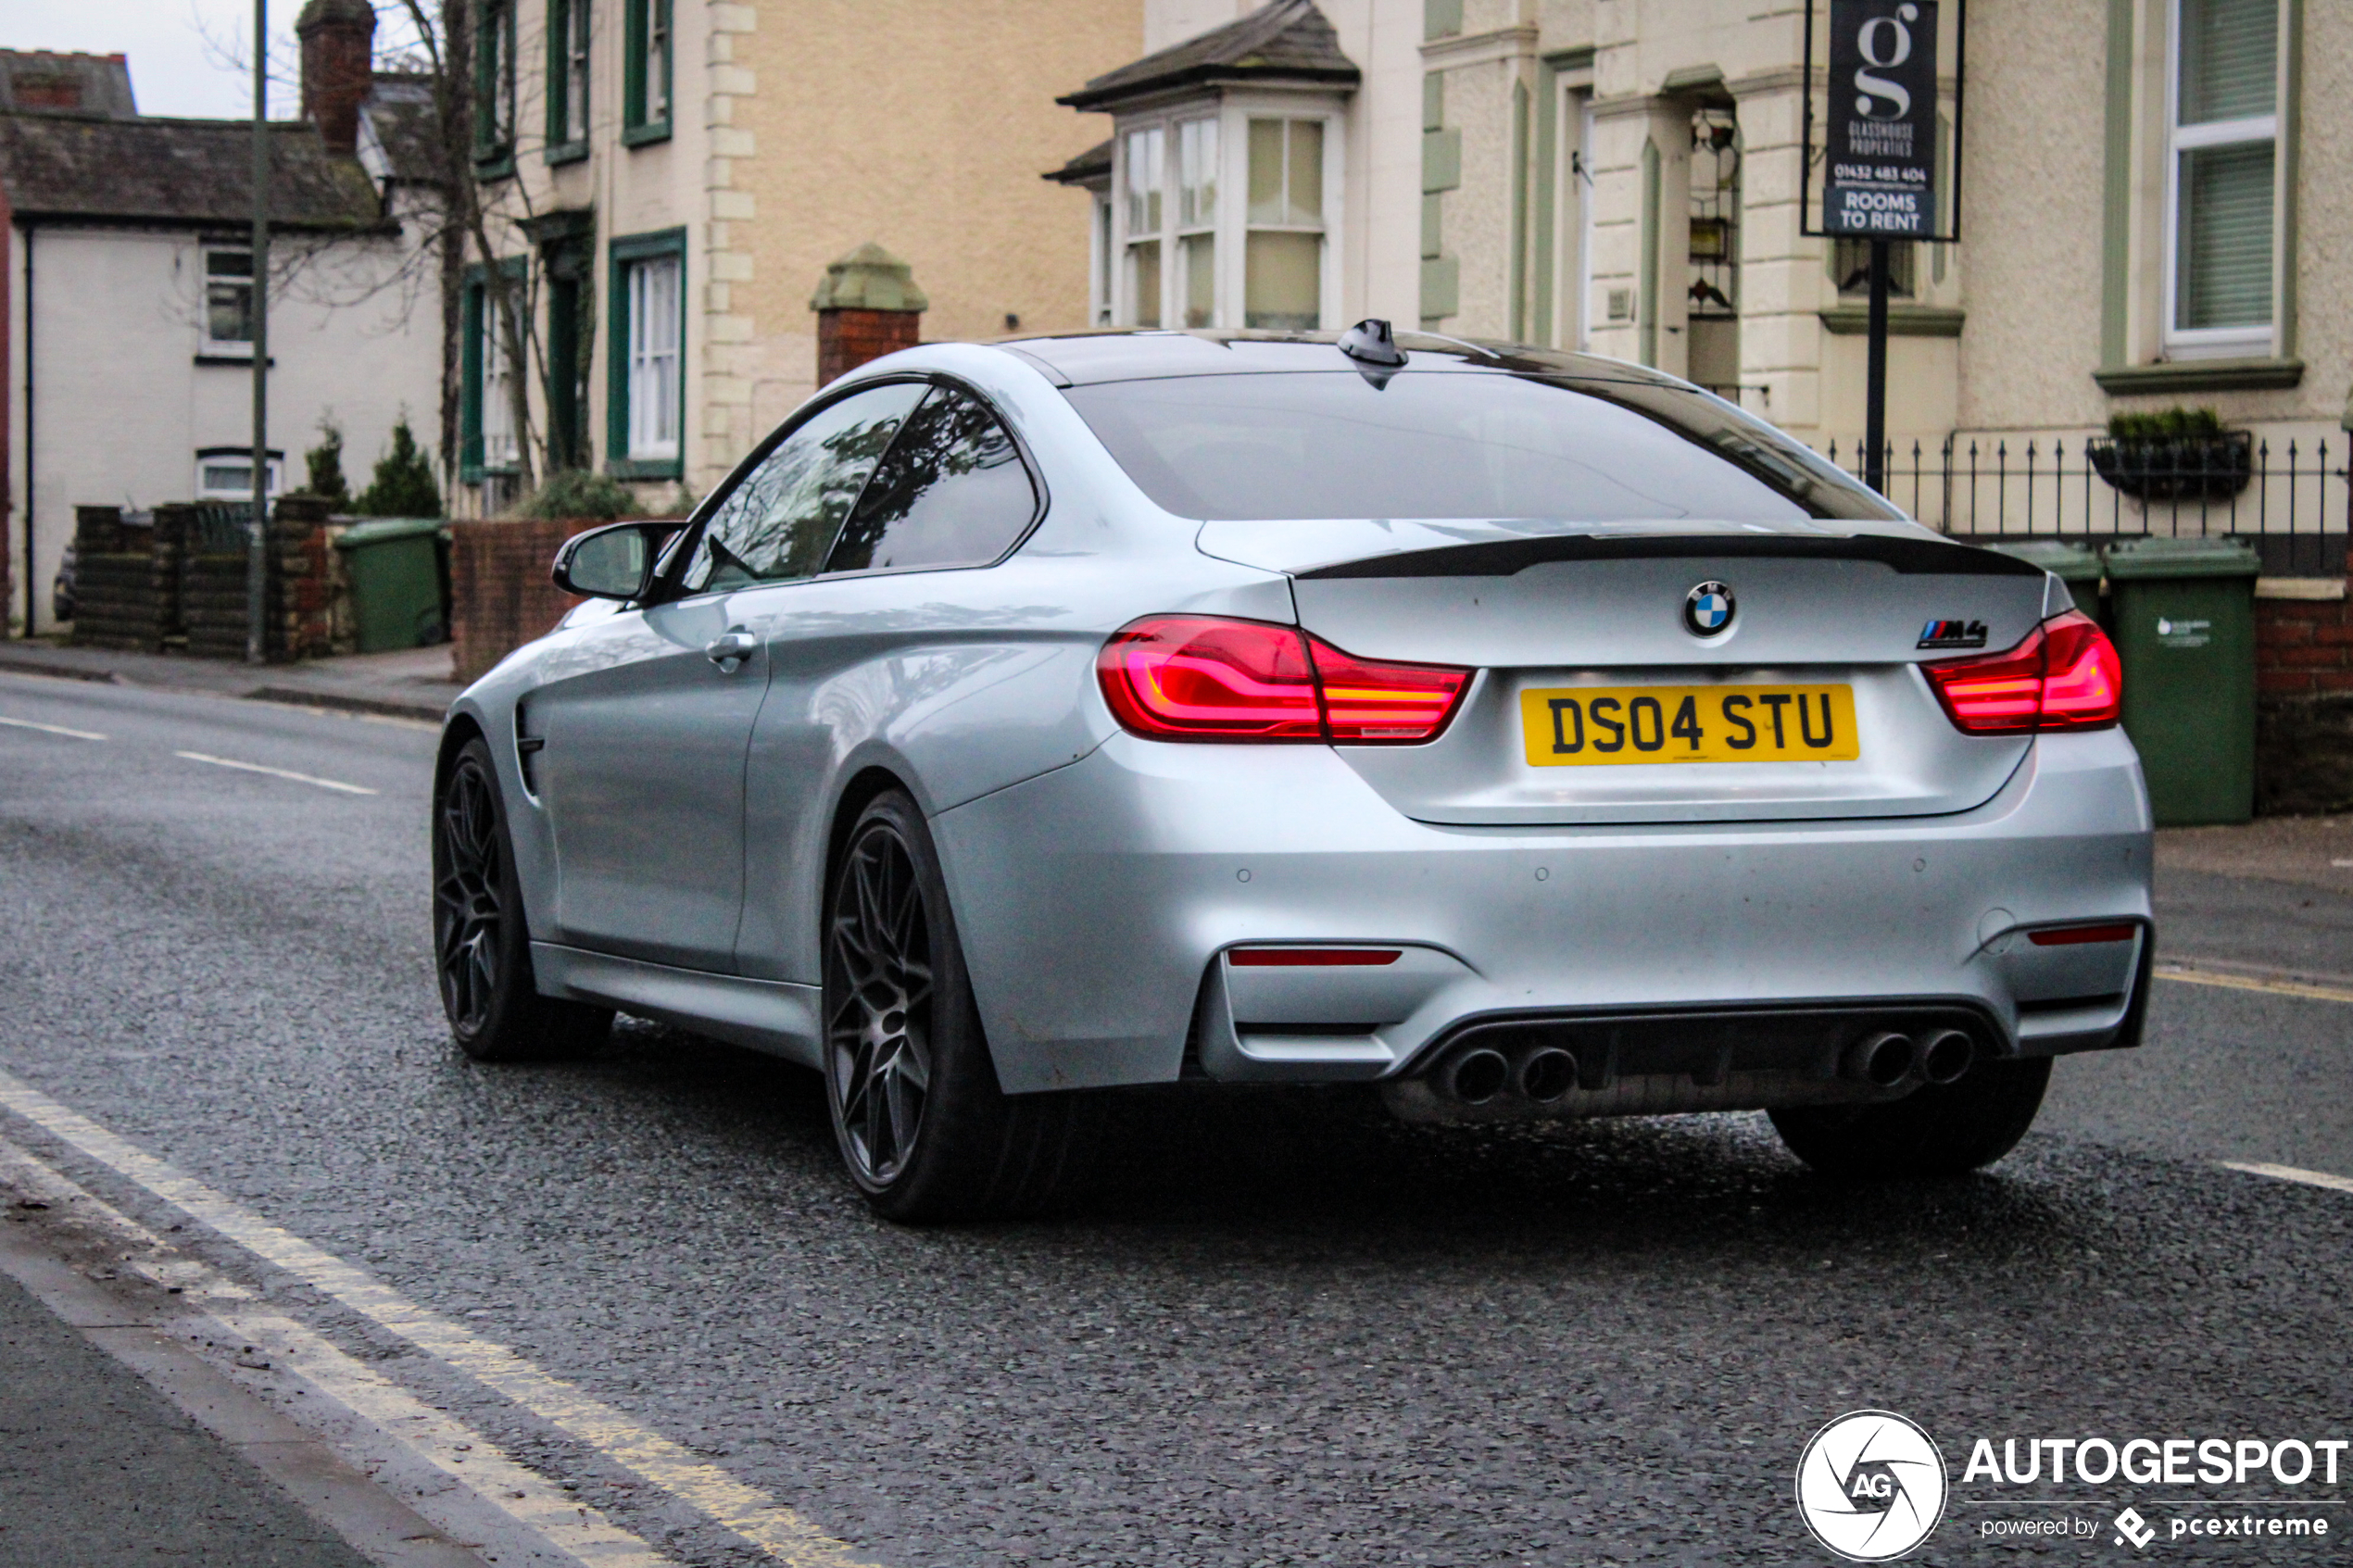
(1457, 444)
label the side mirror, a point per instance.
(612, 562)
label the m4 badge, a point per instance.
(1953, 635)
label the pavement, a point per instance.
(409, 684)
(1280, 1330)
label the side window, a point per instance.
(952, 492)
(778, 524)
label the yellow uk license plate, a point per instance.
(1589, 726)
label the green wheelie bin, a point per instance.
(2185, 627)
(2078, 566)
(397, 577)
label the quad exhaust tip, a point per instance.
(1547, 1075)
(1478, 1077)
(1884, 1059)
(1947, 1055)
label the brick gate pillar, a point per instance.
(867, 306)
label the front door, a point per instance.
(644, 722)
(645, 718)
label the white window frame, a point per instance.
(1173, 265)
(1102, 260)
(1125, 197)
(1233, 113)
(275, 468)
(500, 450)
(226, 348)
(656, 365)
(2204, 343)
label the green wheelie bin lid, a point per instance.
(2184, 630)
(396, 570)
(2182, 557)
(2078, 566)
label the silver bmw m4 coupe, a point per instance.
(1513, 734)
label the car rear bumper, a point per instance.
(1097, 905)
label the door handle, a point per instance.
(731, 649)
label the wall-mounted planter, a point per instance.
(2176, 468)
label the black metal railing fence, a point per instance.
(2295, 505)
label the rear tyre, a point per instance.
(481, 942)
(923, 1125)
(1934, 1131)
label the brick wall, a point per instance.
(2304, 706)
(848, 338)
(500, 594)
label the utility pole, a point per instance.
(1875, 376)
(257, 540)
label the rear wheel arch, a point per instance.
(856, 795)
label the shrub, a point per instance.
(2167, 424)
(403, 485)
(326, 462)
(577, 493)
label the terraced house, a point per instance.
(2149, 213)
(127, 299)
(667, 182)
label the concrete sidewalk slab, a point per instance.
(410, 683)
(2311, 851)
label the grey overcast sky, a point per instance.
(172, 71)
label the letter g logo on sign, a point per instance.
(1870, 1486)
(1884, 42)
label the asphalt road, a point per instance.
(1285, 1332)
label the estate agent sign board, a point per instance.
(1880, 166)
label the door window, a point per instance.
(952, 492)
(779, 523)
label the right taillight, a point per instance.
(1207, 678)
(2064, 676)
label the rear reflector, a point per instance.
(1310, 957)
(2070, 935)
(1203, 678)
(2064, 676)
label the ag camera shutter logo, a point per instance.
(1870, 1486)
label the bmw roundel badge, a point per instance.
(1707, 609)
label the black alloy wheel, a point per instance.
(924, 1127)
(481, 942)
(469, 897)
(879, 996)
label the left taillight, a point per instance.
(1209, 678)
(2064, 676)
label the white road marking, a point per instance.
(274, 773)
(2341, 862)
(2291, 1173)
(745, 1510)
(2250, 982)
(373, 1422)
(50, 728)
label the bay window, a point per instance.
(1220, 219)
(2223, 128)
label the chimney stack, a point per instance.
(338, 68)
